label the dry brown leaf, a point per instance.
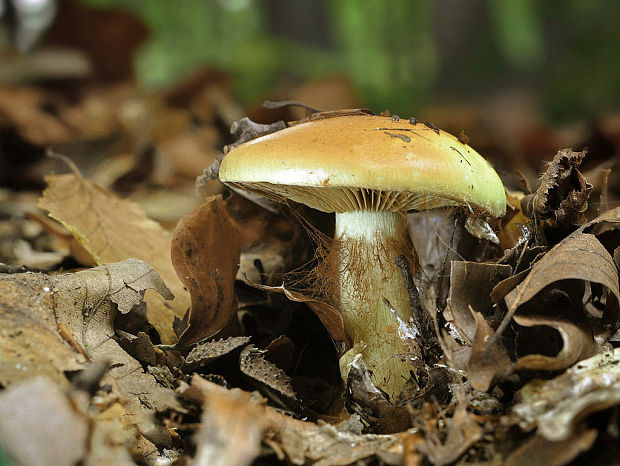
(539, 450)
(462, 432)
(580, 256)
(24, 108)
(84, 305)
(29, 341)
(267, 375)
(577, 339)
(139, 347)
(471, 284)
(275, 240)
(483, 370)
(205, 252)
(112, 230)
(111, 438)
(510, 232)
(563, 192)
(297, 441)
(38, 425)
(231, 428)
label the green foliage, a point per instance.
(516, 26)
(394, 50)
(187, 34)
(583, 74)
(388, 49)
(385, 47)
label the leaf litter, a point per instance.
(206, 246)
(112, 230)
(544, 309)
(85, 304)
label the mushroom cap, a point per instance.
(366, 162)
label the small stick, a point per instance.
(412, 291)
(421, 318)
(66, 335)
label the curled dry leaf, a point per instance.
(563, 192)
(556, 405)
(206, 245)
(327, 314)
(577, 341)
(26, 438)
(579, 256)
(299, 442)
(112, 230)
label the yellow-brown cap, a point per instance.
(368, 162)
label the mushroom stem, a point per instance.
(368, 243)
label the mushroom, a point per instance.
(370, 170)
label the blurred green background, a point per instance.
(399, 54)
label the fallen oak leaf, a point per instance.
(85, 303)
(205, 251)
(112, 230)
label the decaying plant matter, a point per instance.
(513, 349)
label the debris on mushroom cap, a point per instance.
(366, 162)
